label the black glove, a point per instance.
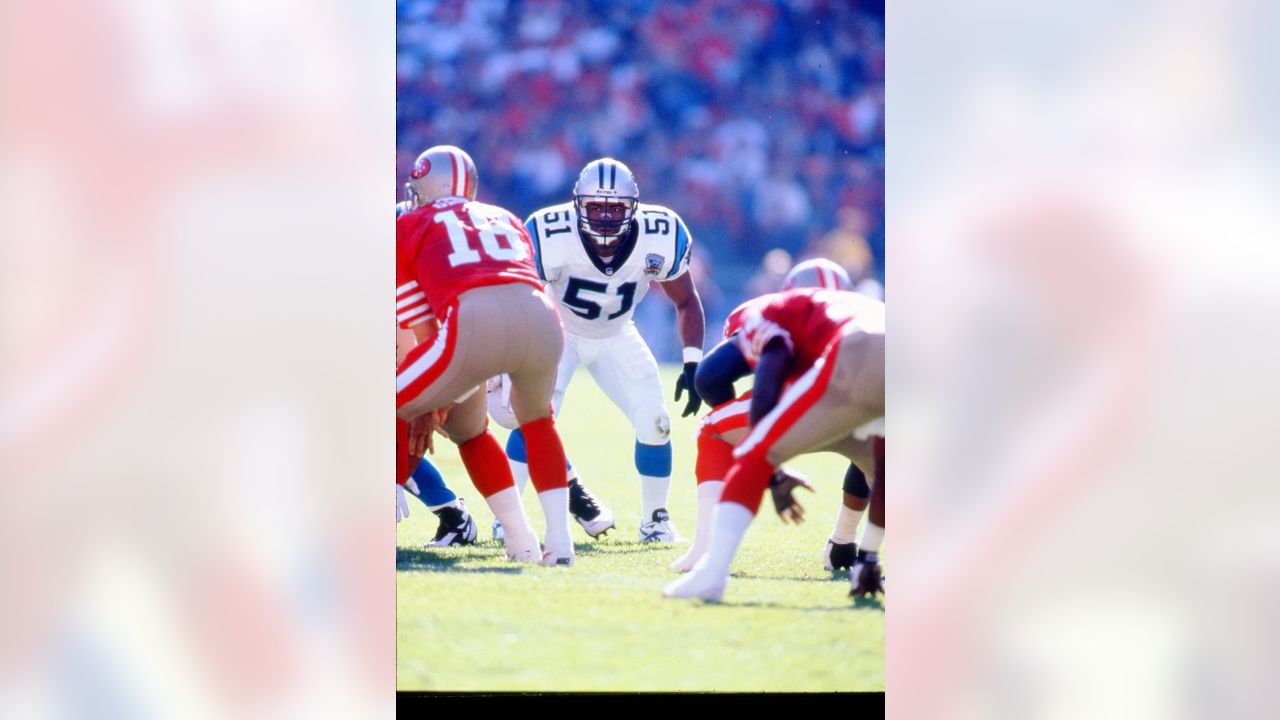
(782, 486)
(685, 382)
(866, 578)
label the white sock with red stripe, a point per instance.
(730, 523)
(507, 508)
(708, 498)
(846, 525)
(555, 507)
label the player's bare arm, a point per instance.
(771, 373)
(690, 319)
(692, 325)
(718, 371)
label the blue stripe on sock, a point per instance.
(431, 487)
(653, 460)
(515, 447)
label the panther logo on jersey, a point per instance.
(653, 264)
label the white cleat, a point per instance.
(551, 560)
(496, 531)
(528, 551)
(659, 529)
(599, 526)
(700, 583)
(686, 561)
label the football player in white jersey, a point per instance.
(598, 254)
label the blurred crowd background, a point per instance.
(1084, 354)
(760, 121)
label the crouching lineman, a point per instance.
(598, 255)
(424, 482)
(832, 342)
(721, 429)
(471, 264)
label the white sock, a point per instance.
(727, 528)
(872, 537)
(708, 498)
(653, 495)
(521, 473)
(846, 525)
(555, 507)
(507, 508)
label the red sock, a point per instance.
(715, 456)
(486, 464)
(746, 482)
(546, 454)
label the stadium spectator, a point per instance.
(758, 120)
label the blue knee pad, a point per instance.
(855, 482)
(515, 447)
(431, 487)
(653, 460)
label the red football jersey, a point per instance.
(733, 323)
(806, 319)
(451, 246)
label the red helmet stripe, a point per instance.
(455, 162)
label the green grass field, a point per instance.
(467, 619)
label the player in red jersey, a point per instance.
(827, 348)
(727, 424)
(468, 268)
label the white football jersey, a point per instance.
(597, 300)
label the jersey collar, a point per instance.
(619, 258)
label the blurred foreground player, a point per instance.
(835, 342)
(470, 266)
(841, 551)
(721, 429)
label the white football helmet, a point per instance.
(818, 273)
(441, 171)
(605, 197)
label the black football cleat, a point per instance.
(457, 527)
(595, 518)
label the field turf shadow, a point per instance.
(432, 560)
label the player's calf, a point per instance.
(547, 473)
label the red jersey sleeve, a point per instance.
(412, 307)
(758, 330)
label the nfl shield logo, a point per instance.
(653, 263)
